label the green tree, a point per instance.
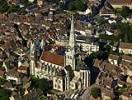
(3, 6)
(13, 8)
(100, 20)
(125, 32)
(125, 12)
(42, 98)
(2, 81)
(42, 84)
(71, 73)
(129, 35)
(4, 95)
(96, 92)
(77, 5)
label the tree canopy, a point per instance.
(42, 84)
(2, 81)
(125, 32)
(4, 95)
(96, 92)
(3, 6)
(74, 5)
(42, 98)
(124, 11)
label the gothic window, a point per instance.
(58, 86)
(59, 81)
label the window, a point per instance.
(59, 81)
(58, 86)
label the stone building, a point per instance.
(60, 65)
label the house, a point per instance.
(2, 73)
(126, 48)
(40, 3)
(127, 58)
(126, 96)
(113, 59)
(105, 11)
(33, 94)
(13, 75)
(8, 86)
(14, 2)
(106, 94)
(121, 83)
(127, 68)
(26, 82)
(15, 96)
(23, 69)
(129, 79)
(120, 3)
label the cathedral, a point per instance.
(64, 66)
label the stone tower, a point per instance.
(70, 54)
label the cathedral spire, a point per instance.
(70, 54)
(72, 35)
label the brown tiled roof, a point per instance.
(97, 63)
(2, 72)
(127, 65)
(114, 57)
(125, 57)
(126, 94)
(106, 92)
(125, 45)
(107, 67)
(13, 73)
(108, 81)
(23, 68)
(120, 2)
(53, 58)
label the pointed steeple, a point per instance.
(72, 35)
(70, 54)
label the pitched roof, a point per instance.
(2, 72)
(107, 92)
(52, 58)
(114, 57)
(127, 58)
(120, 2)
(13, 73)
(125, 45)
(23, 68)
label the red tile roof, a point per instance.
(52, 58)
